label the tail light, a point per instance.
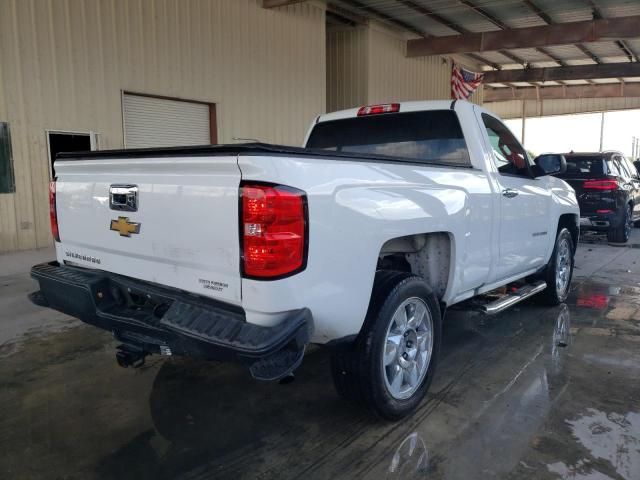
(377, 109)
(274, 231)
(53, 214)
(600, 184)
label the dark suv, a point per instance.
(608, 189)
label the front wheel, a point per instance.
(559, 271)
(394, 358)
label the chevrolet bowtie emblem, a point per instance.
(124, 227)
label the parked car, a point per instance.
(359, 242)
(608, 189)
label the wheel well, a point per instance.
(427, 255)
(570, 222)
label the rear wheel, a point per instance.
(559, 271)
(622, 233)
(394, 358)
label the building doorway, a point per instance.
(59, 142)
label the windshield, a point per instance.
(429, 137)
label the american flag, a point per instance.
(463, 82)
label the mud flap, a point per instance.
(277, 365)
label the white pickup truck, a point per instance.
(360, 241)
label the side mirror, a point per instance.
(550, 164)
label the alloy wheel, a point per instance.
(408, 348)
(628, 222)
(563, 267)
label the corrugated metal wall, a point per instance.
(394, 77)
(347, 67)
(513, 108)
(64, 64)
(367, 65)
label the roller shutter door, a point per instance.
(159, 122)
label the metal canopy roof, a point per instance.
(447, 18)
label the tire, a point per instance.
(360, 374)
(621, 233)
(558, 291)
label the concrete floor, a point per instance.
(534, 393)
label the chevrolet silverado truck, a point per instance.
(359, 241)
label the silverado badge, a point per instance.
(124, 227)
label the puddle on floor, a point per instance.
(610, 437)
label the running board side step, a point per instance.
(511, 299)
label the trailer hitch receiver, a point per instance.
(130, 356)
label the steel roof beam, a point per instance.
(529, 37)
(597, 15)
(347, 15)
(500, 24)
(628, 51)
(383, 16)
(452, 25)
(549, 21)
(279, 3)
(359, 6)
(562, 91)
(570, 72)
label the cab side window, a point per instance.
(510, 157)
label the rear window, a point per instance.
(586, 165)
(428, 137)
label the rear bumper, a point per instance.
(163, 320)
(601, 221)
(594, 222)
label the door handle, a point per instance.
(509, 193)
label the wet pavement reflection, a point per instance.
(533, 393)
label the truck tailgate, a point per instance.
(183, 232)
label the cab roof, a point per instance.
(605, 154)
(413, 106)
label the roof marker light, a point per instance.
(378, 109)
